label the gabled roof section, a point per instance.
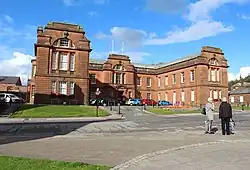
(10, 80)
(240, 91)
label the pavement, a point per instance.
(138, 140)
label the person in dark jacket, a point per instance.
(225, 114)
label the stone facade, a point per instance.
(190, 80)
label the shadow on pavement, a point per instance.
(16, 132)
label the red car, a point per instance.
(148, 102)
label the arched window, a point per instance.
(118, 67)
(63, 42)
(213, 61)
(118, 74)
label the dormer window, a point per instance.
(64, 42)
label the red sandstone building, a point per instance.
(63, 72)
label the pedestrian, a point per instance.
(210, 116)
(225, 114)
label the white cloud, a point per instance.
(166, 6)
(196, 31)
(18, 64)
(244, 72)
(243, 16)
(93, 13)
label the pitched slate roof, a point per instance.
(152, 66)
(241, 91)
(9, 80)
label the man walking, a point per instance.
(225, 114)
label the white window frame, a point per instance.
(72, 61)
(182, 77)
(215, 94)
(218, 75)
(63, 87)
(192, 96)
(211, 93)
(53, 87)
(118, 78)
(213, 75)
(232, 99)
(34, 71)
(64, 42)
(209, 74)
(148, 85)
(241, 99)
(159, 82)
(220, 94)
(174, 78)
(166, 96)
(54, 64)
(192, 76)
(166, 80)
(72, 88)
(183, 96)
(63, 61)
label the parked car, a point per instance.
(134, 102)
(164, 103)
(10, 98)
(148, 102)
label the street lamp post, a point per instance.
(97, 93)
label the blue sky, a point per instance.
(152, 30)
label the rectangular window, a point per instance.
(159, 82)
(213, 75)
(220, 95)
(123, 78)
(92, 78)
(174, 97)
(54, 60)
(72, 62)
(63, 87)
(182, 77)
(215, 94)
(192, 95)
(241, 99)
(34, 71)
(63, 61)
(138, 81)
(183, 96)
(148, 82)
(148, 95)
(232, 99)
(174, 79)
(72, 88)
(192, 75)
(118, 78)
(53, 87)
(166, 96)
(166, 80)
(218, 75)
(159, 96)
(209, 74)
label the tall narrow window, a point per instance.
(182, 77)
(72, 88)
(123, 78)
(166, 96)
(192, 75)
(166, 80)
(148, 82)
(118, 78)
(218, 75)
(34, 71)
(148, 95)
(159, 82)
(54, 61)
(63, 87)
(92, 78)
(53, 87)
(159, 96)
(211, 93)
(192, 95)
(183, 96)
(72, 62)
(213, 75)
(215, 94)
(209, 74)
(63, 61)
(138, 81)
(174, 79)
(232, 99)
(174, 97)
(220, 94)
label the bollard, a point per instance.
(119, 108)
(243, 107)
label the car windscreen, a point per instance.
(2, 95)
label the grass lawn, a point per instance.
(16, 163)
(161, 111)
(46, 111)
(240, 108)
